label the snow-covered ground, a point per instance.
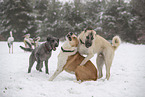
(127, 76)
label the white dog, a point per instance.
(69, 48)
(90, 43)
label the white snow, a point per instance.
(127, 76)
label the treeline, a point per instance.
(43, 17)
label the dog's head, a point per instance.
(36, 38)
(27, 35)
(53, 42)
(72, 39)
(89, 36)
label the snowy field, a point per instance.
(127, 76)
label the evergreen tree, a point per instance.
(2, 7)
(138, 9)
(18, 19)
(92, 12)
(53, 17)
(40, 11)
(43, 17)
(117, 19)
(48, 17)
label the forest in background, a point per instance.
(42, 17)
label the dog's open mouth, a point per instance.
(54, 48)
(69, 37)
(88, 45)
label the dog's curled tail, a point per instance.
(26, 49)
(116, 41)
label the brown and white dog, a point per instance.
(69, 60)
(86, 72)
(28, 40)
(90, 43)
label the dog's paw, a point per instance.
(75, 81)
(50, 80)
(40, 70)
(47, 72)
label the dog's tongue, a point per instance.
(54, 48)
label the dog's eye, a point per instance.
(74, 37)
(92, 38)
(52, 40)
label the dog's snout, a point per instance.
(70, 33)
(87, 44)
(56, 45)
(69, 38)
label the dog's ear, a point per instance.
(89, 28)
(58, 40)
(48, 38)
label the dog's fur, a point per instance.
(90, 43)
(29, 45)
(43, 53)
(10, 41)
(69, 45)
(86, 72)
(26, 49)
(28, 41)
(69, 62)
(36, 41)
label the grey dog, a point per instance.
(43, 53)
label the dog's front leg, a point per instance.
(39, 63)
(46, 67)
(89, 56)
(12, 48)
(31, 62)
(58, 71)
